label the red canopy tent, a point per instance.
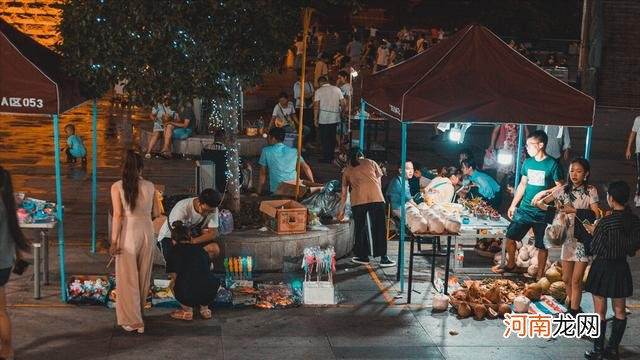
(472, 77)
(32, 82)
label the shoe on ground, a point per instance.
(386, 262)
(147, 156)
(360, 260)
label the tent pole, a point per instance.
(306, 23)
(94, 185)
(587, 145)
(519, 154)
(403, 160)
(361, 142)
(56, 139)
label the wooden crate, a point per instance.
(285, 216)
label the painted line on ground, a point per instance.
(383, 290)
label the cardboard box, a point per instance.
(285, 216)
(288, 188)
(318, 293)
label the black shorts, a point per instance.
(4, 276)
(522, 221)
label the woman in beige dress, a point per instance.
(132, 241)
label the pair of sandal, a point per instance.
(183, 314)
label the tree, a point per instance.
(180, 47)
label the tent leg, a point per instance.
(361, 142)
(517, 159)
(403, 160)
(94, 166)
(587, 145)
(56, 140)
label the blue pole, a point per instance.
(519, 154)
(94, 182)
(56, 140)
(361, 142)
(587, 145)
(403, 160)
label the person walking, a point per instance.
(12, 243)
(327, 102)
(361, 179)
(634, 138)
(615, 237)
(132, 241)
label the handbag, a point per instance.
(489, 161)
(556, 233)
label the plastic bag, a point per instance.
(225, 222)
(490, 161)
(326, 202)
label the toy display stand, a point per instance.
(318, 293)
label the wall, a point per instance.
(620, 71)
(36, 18)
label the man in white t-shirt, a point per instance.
(201, 215)
(382, 57)
(633, 135)
(327, 102)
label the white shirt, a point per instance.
(284, 113)
(308, 89)
(185, 212)
(383, 56)
(329, 97)
(636, 128)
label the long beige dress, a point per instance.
(134, 263)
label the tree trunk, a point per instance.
(225, 114)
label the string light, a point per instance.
(225, 114)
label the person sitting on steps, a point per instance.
(161, 115)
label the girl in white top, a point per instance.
(577, 194)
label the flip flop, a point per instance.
(182, 315)
(501, 269)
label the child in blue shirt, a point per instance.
(75, 147)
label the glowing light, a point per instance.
(505, 157)
(455, 135)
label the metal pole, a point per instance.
(587, 145)
(36, 270)
(44, 240)
(94, 181)
(306, 22)
(56, 140)
(517, 159)
(403, 174)
(361, 141)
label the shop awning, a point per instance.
(473, 76)
(31, 78)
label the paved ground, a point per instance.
(371, 321)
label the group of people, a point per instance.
(606, 245)
(169, 124)
(187, 254)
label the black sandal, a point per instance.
(165, 155)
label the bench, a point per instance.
(249, 145)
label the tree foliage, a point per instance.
(180, 47)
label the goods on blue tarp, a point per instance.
(89, 289)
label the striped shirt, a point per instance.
(611, 242)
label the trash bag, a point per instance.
(225, 222)
(326, 202)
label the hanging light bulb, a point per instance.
(455, 134)
(505, 157)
